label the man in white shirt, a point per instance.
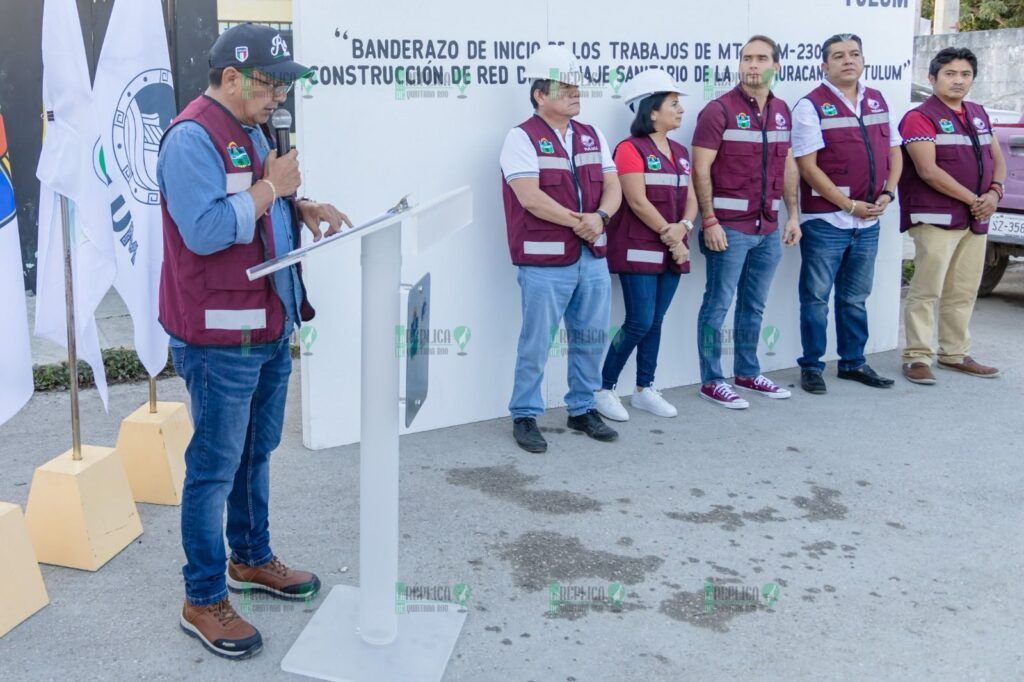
(850, 162)
(560, 188)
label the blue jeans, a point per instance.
(845, 259)
(745, 270)
(579, 293)
(237, 401)
(646, 297)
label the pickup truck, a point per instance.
(1006, 228)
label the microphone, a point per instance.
(281, 121)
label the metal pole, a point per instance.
(69, 302)
(152, 395)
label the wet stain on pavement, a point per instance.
(823, 506)
(696, 492)
(688, 607)
(509, 484)
(900, 526)
(818, 549)
(727, 517)
(540, 557)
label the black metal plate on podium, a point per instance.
(417, 348)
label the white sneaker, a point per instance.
(607, 403)
(651, 401)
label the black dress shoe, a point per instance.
(527, 435)
(812, 381)
(591, 424)
(867, 376)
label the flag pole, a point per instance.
(152, 395)
(69, 300)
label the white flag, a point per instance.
(16, 356)
(133, 100)
(65, 168)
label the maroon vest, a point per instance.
(964, 153)
(633, 247)
(747, 175)
(856, 152)
(532, 241)
(208, 300)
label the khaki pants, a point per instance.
(947, 268)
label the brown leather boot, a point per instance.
(918, 373)
(273, 578)
(221, 630)
(969, 366)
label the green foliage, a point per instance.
(908, 271)
(121, 365)
(983, 15)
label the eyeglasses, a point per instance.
(278, 89)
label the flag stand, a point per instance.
(80, 511)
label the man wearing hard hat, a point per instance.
(743, 169)
(647, 238)
(560, 189)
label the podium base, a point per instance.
(80, 514)
(152, 447)
(22, 592)
(330, 647)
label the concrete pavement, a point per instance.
(889, 522)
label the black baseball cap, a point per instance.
(256, 46)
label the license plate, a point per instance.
(1006, 227)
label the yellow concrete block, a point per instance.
(22, 591)
(80, 514)
(152, 447)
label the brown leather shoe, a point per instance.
(969, 366)
(221, 630)
(273, 578)
(918, 373)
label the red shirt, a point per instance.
(628, 159)
(917, 127)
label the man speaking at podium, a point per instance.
(228, 204)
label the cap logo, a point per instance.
(279, 48)
(241, 53)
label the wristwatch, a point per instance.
(604, 216)
(688, 224)
(892, 197)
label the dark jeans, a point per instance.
(237, 401)
(744, 270)
(844, 259)
(646, 297)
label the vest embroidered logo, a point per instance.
(946, 125)
(829, 109)
(780, 121)
(239, 157)
(653, 163)
(743, 121)
(545, 146)
(242, 53)
(874, 104)
(588, 142)
(979, 124)
(684, 166)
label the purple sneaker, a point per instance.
(762, 385)
(722, 394)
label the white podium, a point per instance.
(356, 634)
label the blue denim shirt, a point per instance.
(191, 176)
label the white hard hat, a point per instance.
(554, 63)
(646, 83)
